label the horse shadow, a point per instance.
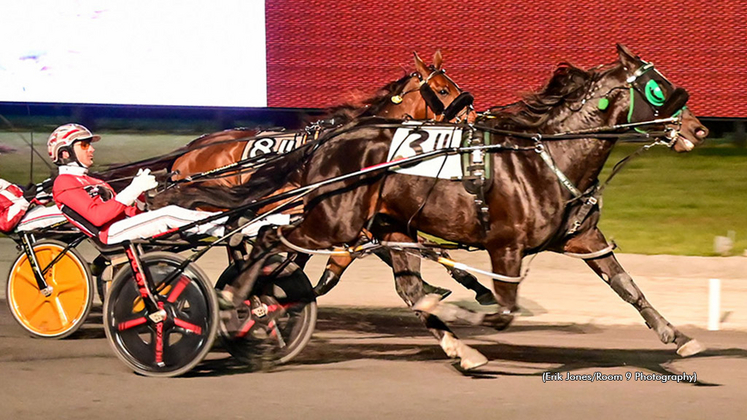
(378, 334)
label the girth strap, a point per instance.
(593, 195)
(477, 171)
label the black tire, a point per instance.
(66, 309)
(296, 325)
(188, 331)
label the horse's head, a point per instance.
(429, 93)
(649, 96)
(628, 94)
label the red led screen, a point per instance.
(320, 52)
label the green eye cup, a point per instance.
(654, 94)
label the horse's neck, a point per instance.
(580, 160)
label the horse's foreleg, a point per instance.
(410, 289)
(611, 271)
(504, 260)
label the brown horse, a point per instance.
(540, 192)
(405, 98)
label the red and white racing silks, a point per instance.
(12, 205)
(96, 211)
(91, 198)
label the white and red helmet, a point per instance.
(64, 136)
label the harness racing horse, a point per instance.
(427, 92)
(541, 193)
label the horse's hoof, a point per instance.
(690, 348)
(450, 343)
(499, 320)
(472, 359)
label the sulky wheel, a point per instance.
(171, 346)
(66, 308)
(277, 321)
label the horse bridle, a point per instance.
(462, 102)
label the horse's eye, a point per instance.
(444, 91)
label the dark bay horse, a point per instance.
(404, 99)
(538, 193)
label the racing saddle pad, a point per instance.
(415, 138)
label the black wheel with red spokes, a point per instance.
(173, 340)
(276, 322)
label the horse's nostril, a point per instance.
(701, 133)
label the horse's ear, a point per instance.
(421, 67)
(437, 60)
(627, 58)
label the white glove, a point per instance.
(142, 182)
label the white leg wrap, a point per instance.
(447, 312)
(449, 343)
(427, 303)
(471, 358)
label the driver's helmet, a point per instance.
(64, 136)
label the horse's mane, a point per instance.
(568, 84)
(367, 106)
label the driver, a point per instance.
(93, 206)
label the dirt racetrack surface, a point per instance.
(370, 358)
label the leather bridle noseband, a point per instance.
(463, 102)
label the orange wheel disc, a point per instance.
(66, 308)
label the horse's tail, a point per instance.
(272, 176)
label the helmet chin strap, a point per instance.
(72, 159)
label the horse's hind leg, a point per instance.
(410, 289)
(336, 265)
(504, 260)
(609, 269)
